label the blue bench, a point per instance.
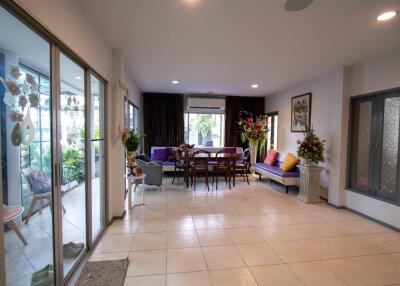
(291, 178)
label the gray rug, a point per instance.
(98, 273)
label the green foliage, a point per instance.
(204, 124)
(73, 168)
(132, 139)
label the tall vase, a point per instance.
(253, 143)
(131, 158)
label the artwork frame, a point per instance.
(300, 112)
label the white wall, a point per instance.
(66, 19)
(329, 116)
(374, 75)
(324, 91)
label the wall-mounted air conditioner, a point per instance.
(205, 105)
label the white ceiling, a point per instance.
(224, 46)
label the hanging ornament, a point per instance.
(9, 99)
(28, 130)
(16, 135)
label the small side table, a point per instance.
(309, 184)
(131, 180)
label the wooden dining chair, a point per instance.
(223, 166)
(201, 159)
(180, 166)
(243, 166)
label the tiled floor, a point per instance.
(250, 235)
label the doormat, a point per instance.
(105, 273)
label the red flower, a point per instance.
(249, 121)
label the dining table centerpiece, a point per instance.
(131, 140)
(255, 132)
(185, 149)
(311, 151)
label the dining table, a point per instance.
(188, 159)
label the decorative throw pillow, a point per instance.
(160, 154)
(289, 163)
(171, 154)
(38, 182)
(271, 158)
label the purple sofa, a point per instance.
(291, 178)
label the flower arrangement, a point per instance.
(185, 147)
(132, 139)
(21, 95)
(311, 148)
(253, 129)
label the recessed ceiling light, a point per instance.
(254, 85)
(191, 2)
(78, 77)
(386, 16)
(175, 82)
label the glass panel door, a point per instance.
(389, 154)
(25, 126)
(362, 145)
(97, 157)
(72, 158)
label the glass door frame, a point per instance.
(2, 251)
(57, 47)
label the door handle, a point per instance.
(56, 175)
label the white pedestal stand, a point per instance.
(131, 180)
(309, 184)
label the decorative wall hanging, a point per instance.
(21, 95)
(301, 112)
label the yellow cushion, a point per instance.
(289, 163)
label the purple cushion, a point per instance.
(171, 154)
(160, 154)
(38, 182)
(295, 172)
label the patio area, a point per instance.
(23, 260)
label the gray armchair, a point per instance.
(153, 171)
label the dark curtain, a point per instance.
(162, 120)
(233, 105)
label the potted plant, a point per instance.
(131, 140)
(311, 151)
(311, 148)
(254, 131)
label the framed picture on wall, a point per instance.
(301, 112)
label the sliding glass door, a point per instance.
(97, 157)
(72, 132)
(26, 171)
(52, 179)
